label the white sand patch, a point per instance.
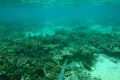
(31, 33)
(101, 28)
(106, 69)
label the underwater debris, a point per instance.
(86, 54)
(61, 75)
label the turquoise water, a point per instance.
(68, 40)
(34, 13)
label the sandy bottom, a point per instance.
(107, 68)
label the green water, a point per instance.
(65, 40)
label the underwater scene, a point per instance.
(59, 39)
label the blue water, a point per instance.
(35, 40)
(34, 13)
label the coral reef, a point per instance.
(41, 56)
